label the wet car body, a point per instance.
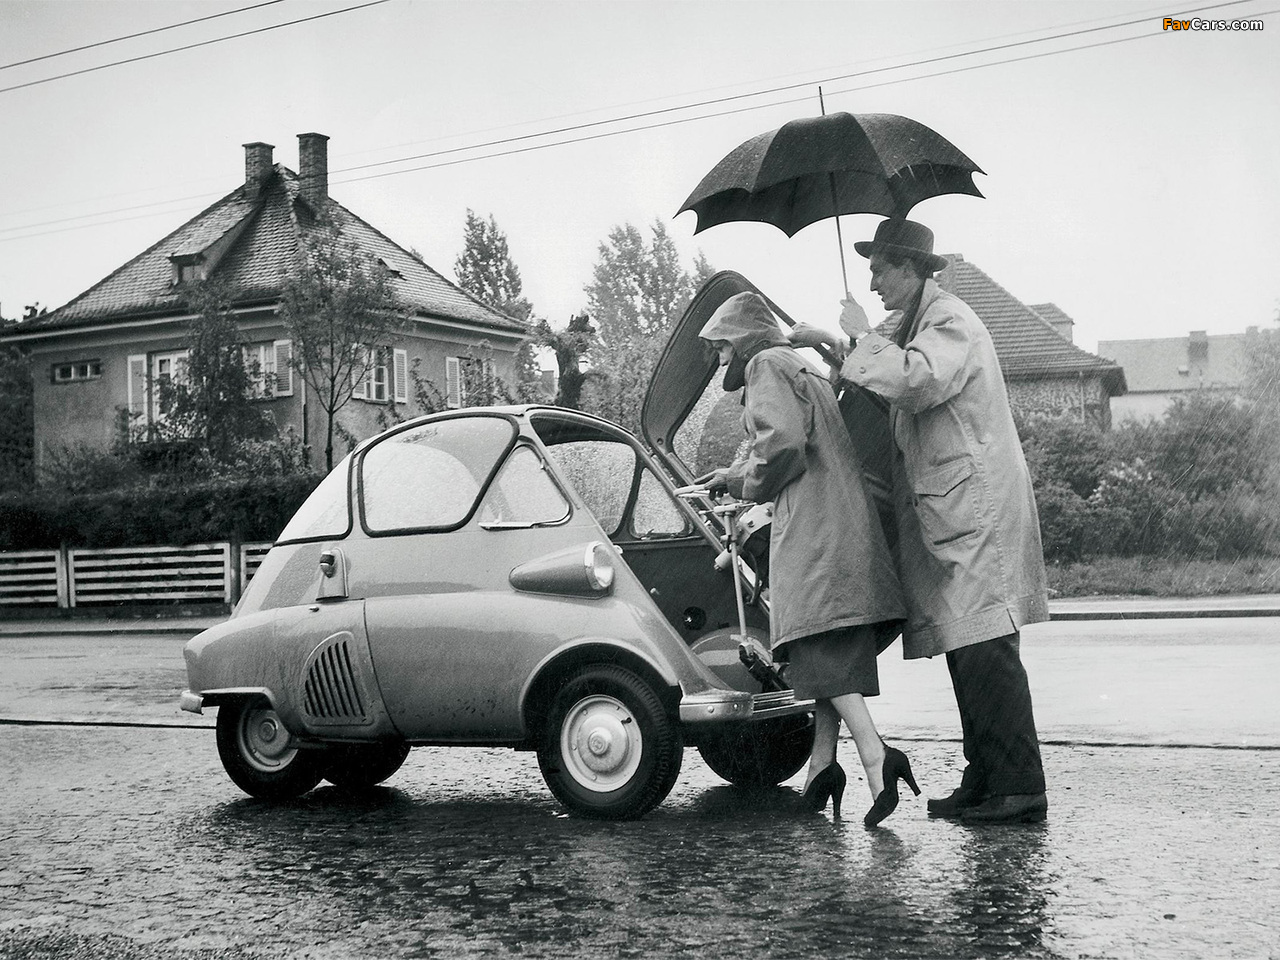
(518, 576)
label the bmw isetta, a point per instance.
(519, 576)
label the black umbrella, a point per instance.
(819, 167)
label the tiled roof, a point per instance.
(1026, 343)
(1171, 364)
(257, 262)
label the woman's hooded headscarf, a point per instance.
(747, 324)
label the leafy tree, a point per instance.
(212, 405)
(637, 292)
(341, 314)
(486, 271)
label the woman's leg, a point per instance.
(826, 730)
(852, 707)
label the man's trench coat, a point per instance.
(829, 565)
(969, 546)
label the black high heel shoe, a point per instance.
(828, 783)
(896, 767)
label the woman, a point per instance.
(834, 598)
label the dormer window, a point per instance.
(187, 268)
(391, 271)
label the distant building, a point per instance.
(104, 352)
(1045, 373)
(1161, 370)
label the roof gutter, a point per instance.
(47, 333)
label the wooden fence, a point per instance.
(80, 577)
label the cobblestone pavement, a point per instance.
(131, 843)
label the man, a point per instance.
(969, 553)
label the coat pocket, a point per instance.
(944, 503)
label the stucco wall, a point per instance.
(85, 414)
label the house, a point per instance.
(1163, 369)
(1045, 373)
(104, 351)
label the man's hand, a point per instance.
(853, 319)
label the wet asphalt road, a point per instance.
(132, 843)
(1163, 840)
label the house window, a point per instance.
(165, 368)
(79, 370)
(269, 368)
(146, 373)
(384, 378)
(469, 381)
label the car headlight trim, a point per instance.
(599, 567)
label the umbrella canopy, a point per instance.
(819, 167)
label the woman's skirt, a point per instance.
(835, 662)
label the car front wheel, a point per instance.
(609, 750)
(261, 756)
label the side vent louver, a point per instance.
(332, 690)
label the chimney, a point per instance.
(313, 168)
(257, 166)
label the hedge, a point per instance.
(251, 510)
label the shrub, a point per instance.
(256, 508)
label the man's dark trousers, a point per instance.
(1000, 743)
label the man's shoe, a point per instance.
(1008, 808)
(961, 799)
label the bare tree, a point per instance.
(342, 316)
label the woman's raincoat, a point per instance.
(829, 565)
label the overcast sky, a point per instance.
(1133, 182)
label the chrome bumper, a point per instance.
(191, 702)
(721, 705)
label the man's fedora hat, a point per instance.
(905, 238)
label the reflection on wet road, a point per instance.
(1148, 851)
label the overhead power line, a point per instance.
(190, 46)
(578, 128)
(133, 36)
(790, 86)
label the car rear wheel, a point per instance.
(260, 755)
(761, 754)
(358, 765)
(609, 750)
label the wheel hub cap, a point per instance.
(601, 743)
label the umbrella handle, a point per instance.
(844, 271)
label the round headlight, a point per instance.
(599, 567)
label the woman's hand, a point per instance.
(716, 481)
(811, 335)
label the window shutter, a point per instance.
(137, 387)
(401, 373)
(284, 368)
(360, 376)
(453, 381)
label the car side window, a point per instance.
(431, 475)
(523, 493)
(656, 514)
(325, 514)
(601, 472)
